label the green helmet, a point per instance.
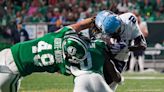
(74, 49)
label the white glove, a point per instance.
(116, 48)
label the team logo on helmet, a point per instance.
(71, 50)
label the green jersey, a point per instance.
(42, 54)
(97, 51)
(95, 59)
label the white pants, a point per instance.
(9, 75)
(140, 61)
(113, 86)
(93, 82)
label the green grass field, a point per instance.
(134, 82)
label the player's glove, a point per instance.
(117, 47)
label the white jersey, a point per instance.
(130, 30)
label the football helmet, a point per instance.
(108, 22)
(74, 49)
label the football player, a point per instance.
(62, 51)
(89, 73)
(122, 29)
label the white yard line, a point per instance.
(145, 77)
(145, 90)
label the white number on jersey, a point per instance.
(84, 67)
(46, 59)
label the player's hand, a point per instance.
(117, 47)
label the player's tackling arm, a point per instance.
(84, 24)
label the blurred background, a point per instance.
(22, 20)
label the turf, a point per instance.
(46, 82)
(134, 82)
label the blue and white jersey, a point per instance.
(130, 30)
